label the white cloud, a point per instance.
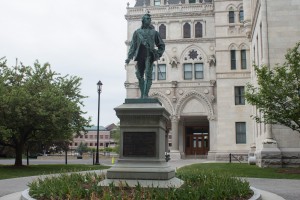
(83, 38)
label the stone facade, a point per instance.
(272, 28)
(208, 115)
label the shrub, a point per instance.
(66, 186)
(210, 185)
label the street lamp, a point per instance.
(99, 87)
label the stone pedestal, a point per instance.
(175, 155)
(269, 155)
(251, 155)
(142, 146)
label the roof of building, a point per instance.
(147, 2)
(94, 128)
(111, 127)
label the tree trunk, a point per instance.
(27, 156)
(19, 151)
(66, 157)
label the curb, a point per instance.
(256, 196)
(25, 195)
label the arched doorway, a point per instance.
(194, 112)
(196, 136)
(196, 140)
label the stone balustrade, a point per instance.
(173, 8)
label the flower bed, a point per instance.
(198, 185)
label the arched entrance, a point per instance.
(194, 111)
(196, 136)
(196, 141)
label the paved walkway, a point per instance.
(271, 189)
(286, 188)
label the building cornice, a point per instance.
(171, 11)
(184, 41)
(235, 36)
(190, 40)
(171, 15)
(180, 84)
(238, 24)
(234, 75)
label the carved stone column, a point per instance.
(174, 125)
(175, 153)
(247, 16)
(268, 135)
(264, 34)
(213, 143)
(174, 86)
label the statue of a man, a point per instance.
(142, 49)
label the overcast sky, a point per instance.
(82, 38)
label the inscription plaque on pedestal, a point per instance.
(139, 144)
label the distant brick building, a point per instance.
(90, 138)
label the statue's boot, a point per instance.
(147, 86)
(141, 86)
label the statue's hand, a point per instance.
(127, 60)
(155, 55)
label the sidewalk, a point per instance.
(270, 189)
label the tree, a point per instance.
(277, 96)
(116, 135)
(82, 148)
(38, 105)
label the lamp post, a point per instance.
(99, 87)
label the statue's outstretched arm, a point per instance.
(132, 48)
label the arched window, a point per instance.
(159, 71)
(186, 30)
(231, 16)
(162, 31)
(157, 2)
(193, 68)
(153, 71)
(198, 30)
(233, 59)
(241, 16)
(243, 59)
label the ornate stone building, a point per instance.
(200, 79)
(272, 27)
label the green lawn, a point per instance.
(238, 170)
(245, 170)
(9, 171)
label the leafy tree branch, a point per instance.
(277, 94)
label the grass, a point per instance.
(9, 171)
(235, 169)
(245, 170)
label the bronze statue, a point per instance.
(142, 49)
